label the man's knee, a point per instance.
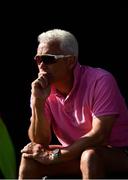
(91, 164)
(86, 158)
(26, 168)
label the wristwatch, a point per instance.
(54, 154)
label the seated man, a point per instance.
(85, 109)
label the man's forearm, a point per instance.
(39, 130)
(97, 136)
(74, 151)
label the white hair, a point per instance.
(68, 42)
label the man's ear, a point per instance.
(71, 62)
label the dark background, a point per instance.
(102, 37)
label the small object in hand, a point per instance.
(54, 154)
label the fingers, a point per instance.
(40, 89)
(32, 148)
(27, 148)
(41, 81)
(42, 157)
(37, 148)
(35, 155)
(26, 155)
(44, 78)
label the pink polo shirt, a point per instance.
(94, 93)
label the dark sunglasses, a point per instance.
(48, 59)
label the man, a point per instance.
(85, 109)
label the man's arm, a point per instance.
(101, 129)
(39, 130)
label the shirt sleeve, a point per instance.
(107, 96)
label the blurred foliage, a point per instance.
(7, 153)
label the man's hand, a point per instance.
(32, 148)
(40, 87)
(37, 152)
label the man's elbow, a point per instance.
(102, 139)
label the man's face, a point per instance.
(57, 71)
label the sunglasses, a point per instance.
(48, 59)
